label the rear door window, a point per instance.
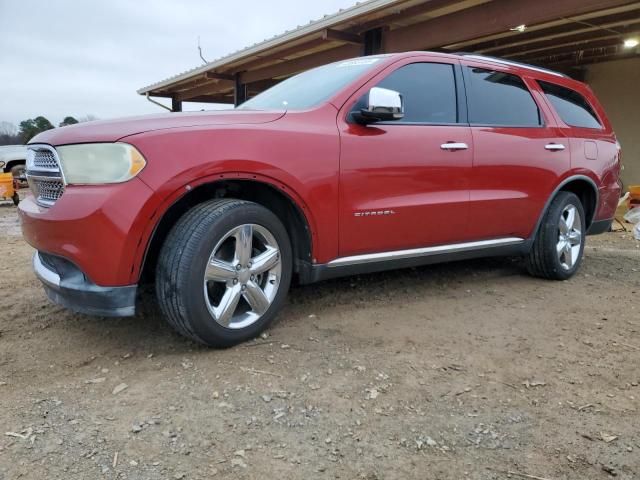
(500, 99)
(573, 108)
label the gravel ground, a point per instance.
(466, 370)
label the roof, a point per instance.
(559, 34)
(342, 15)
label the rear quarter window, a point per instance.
(573, 108)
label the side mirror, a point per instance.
(382, 105)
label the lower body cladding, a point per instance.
(66, 285)
(376, 262)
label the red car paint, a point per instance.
(332, 170)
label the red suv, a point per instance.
(362, 165)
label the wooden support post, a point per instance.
(240, 91)
(176, 104)
(373, 41)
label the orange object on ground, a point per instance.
(7, 188)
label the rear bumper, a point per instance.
(66, 285)
(600, 226)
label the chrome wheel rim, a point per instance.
(569, 237)
(242, 276)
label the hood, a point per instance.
(13, 152)
(113, 130)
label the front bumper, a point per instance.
(66, 285)
(97, 228)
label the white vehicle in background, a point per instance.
(13, 159)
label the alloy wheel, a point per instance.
(242, 276)
(569, 237)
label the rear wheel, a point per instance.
(559, 244)
(224, 272)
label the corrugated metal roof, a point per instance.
(314, 26)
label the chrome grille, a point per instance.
(44, 159)
(46, 191)
(44, 174)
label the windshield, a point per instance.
(310, 88)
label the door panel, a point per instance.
(399, 189)
(519, 153)
(513, 174)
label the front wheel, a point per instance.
(224, 272)
(559, 244)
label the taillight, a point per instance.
(619, 157)
(619, 147)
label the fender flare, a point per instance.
(558, 188)
(177, 194)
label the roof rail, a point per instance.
(509, 62)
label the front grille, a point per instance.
(44, 174)
(46, 191)
(45, 159)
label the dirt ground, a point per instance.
(459, 371)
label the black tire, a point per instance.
(543, 260)
(19, 172)
(15, 198)
(183, 260)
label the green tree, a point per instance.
(33, 126)
(8, 134)
(68, 121)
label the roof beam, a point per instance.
(552, 27)
(219, 76)
(557, 32)
(330, 34)
(212, 99)
(487, 19)
(402, 15)
(263, 60)
(571, 49)
(568, 40)
(590, 59)
(302, 63)
(208, 89)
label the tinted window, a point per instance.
(429, 92)
(497, 98)
(571, 106)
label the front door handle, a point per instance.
(454, 146)
(554, 147)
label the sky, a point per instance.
(88, 57)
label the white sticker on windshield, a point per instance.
(359, 61)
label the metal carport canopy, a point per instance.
(562, 34)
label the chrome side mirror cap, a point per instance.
(382, 105)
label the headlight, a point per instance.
(96, 163)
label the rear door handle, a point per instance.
(554, 147)
(453, 146)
